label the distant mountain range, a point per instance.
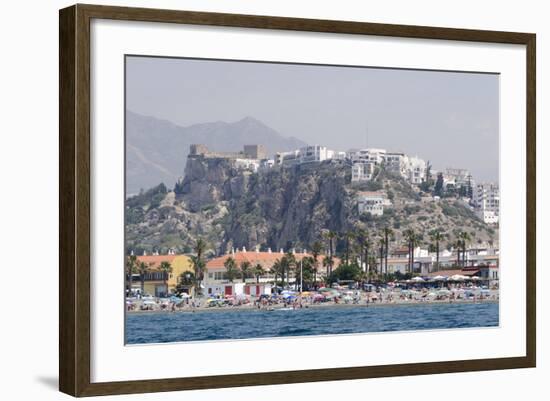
(156, 150)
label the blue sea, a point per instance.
(217, 325)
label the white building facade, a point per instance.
(486, 200)
(372, 202)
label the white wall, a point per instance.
(28, 201)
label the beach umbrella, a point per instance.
(418, 279)
(439, 278)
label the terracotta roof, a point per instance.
(155, 260)
(266, 259)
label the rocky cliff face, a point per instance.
(290, 207)
(284, 208)
(278, 208)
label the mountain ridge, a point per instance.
(157, 149)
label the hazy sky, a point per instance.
(451, 119)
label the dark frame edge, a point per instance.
(531, 201)
(74, 201)
(67, 224)
(300, 376)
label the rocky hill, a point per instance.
(286, 208)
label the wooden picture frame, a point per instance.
(75, 207)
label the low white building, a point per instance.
(372, 202)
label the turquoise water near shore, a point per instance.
(218, 325)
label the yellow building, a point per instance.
(154, 279)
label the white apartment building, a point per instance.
(396, 163)
(306, 154)
(362, 171)
(486, 199)
(372, 202)
(315, 153)
(416, 170)
(287, 158)
(370, 155)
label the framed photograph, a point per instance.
(250, 200)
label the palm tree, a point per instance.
(348, 236)
(388, 235)
(304, 272)
(143, 269)
(412, 241)
(276, 269)
(258, 271)
(458, 245)
(328, 262)
(371, 273)
(200, 248)
(198, 261)
(464, 238)
(288, 262)
(231, 270)
(361, 237)
(437, 236)
(382, 245)
(368, 259)
(166, 268)
(316, 250)
(245, 269)
(130, 269)
(331, 235)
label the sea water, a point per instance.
(142, 328)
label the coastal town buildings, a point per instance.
(416, 170)
(154, 279)
(370, 155)
(482, 259)
(216, 280)
(364, 162)
(486, 201)
(372, 202)
(307, 154)
(396, 163)
(362, 171)
(457, 176)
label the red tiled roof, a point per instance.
(266, 259)
(155, 260)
